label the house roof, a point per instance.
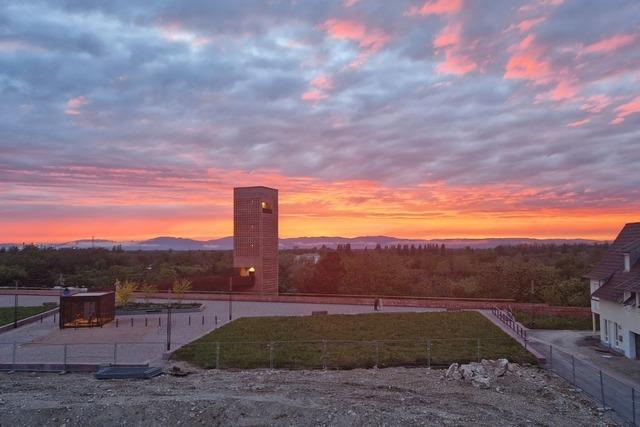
(613, 260)
(611, 268)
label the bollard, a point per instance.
(13, 357)
(217, 355)
(189, 320)
(116, 322)
(64, 363)
(203, 320)
(145, 322)
(215, 320)
(159, 322)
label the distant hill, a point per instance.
(226, 243)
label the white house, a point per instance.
(615, 293)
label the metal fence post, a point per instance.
(189, 320)
(573, 368)
(217, 355)
(324, 354)
(271, 355)
(550, 356)
(145, 322)
(377, 354)
(132, 322)
(203, 320)
(602, 389)
(478, 348)
(215, 320)
(429, 354)
(633, 403)
(115, 353)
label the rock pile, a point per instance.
(482, 374)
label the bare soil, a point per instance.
(393, 396)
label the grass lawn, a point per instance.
(536, 321)
(349, 341)
(6, 313)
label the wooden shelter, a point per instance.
(87, 309)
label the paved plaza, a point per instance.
(141, 338)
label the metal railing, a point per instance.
(509, 319)
(611, 392)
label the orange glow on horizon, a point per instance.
(201, 208)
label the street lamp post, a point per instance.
(230, 299)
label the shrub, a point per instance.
(124, 293)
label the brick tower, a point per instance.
(255, 236)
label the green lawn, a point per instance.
(349, 341)
(6, 313)
(536, 321)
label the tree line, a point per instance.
(528, 273)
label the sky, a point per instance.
(420, 119)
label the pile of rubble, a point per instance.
(483, 374)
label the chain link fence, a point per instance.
(322, 354)
(18, 356)
(347, 354)
(609, 391)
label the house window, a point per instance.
(605, 330)
(618, 335)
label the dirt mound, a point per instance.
(394, 396)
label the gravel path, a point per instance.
(394, 396)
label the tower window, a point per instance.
(266, 207)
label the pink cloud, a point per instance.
(578, 123)
(369, 39)
(449, 36)
(322, 82)
(528, 24)
(437, 7)
(313, 95)
(456, 63)
(528, 65)
(73, 105)
(624, 110)
(610, 44)
(564, 90)
(349, 3)
(318, 90)
(596, 103)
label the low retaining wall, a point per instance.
(447, 303)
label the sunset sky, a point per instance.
(127, 119)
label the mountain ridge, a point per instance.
(309, 242)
